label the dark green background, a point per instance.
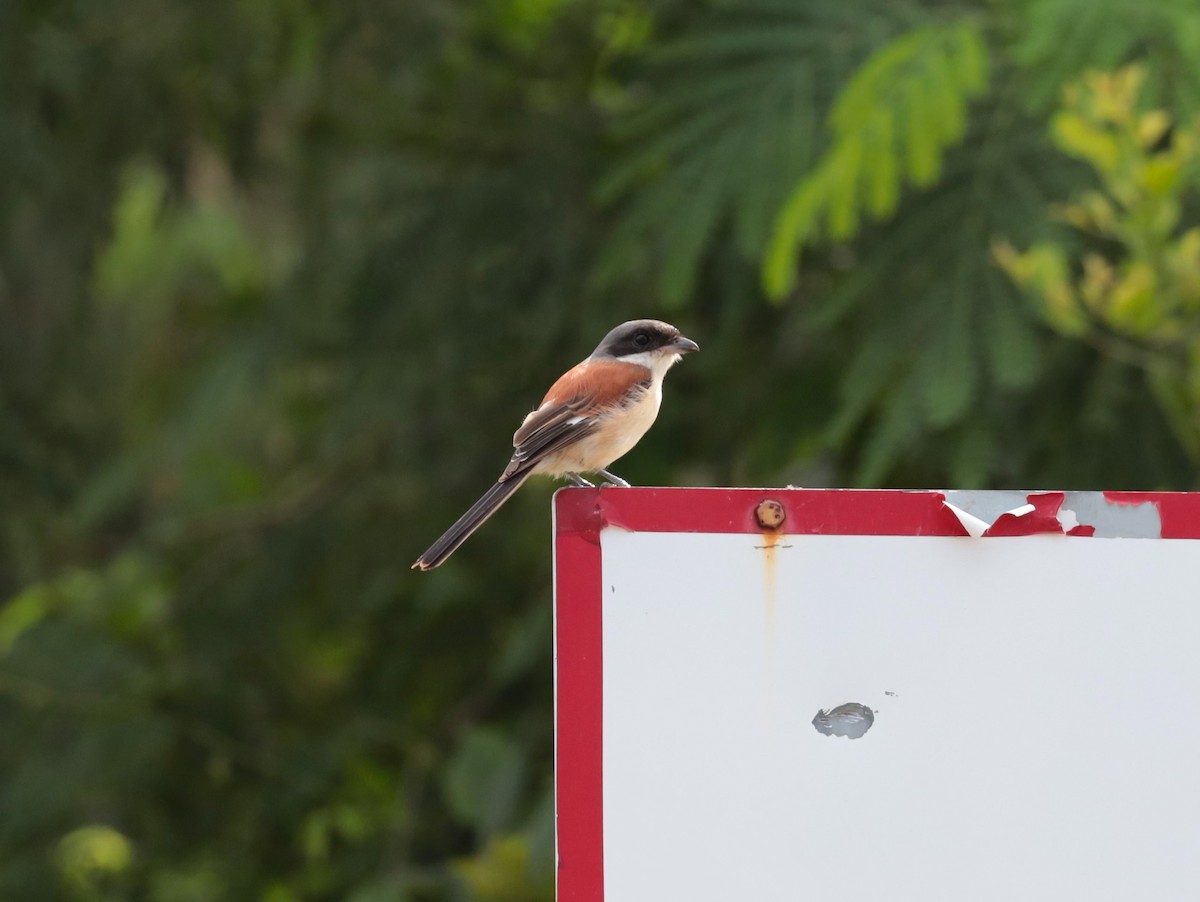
(278, 279)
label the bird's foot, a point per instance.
(614, 480)
(578, 480)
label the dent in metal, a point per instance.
(851, 720)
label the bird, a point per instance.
(594, 414)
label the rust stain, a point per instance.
(770, 551)
(770, 514)
(770, 548)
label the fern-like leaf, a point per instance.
(1061, 39)
(894, 120)
(731, 123)
(937, 326)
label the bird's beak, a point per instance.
(684, 345)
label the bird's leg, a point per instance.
(579, 480)
(614, 479)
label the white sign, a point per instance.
(893, 696)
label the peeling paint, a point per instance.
(1037, 516)
(1115, 520)
(1041, 512)
(973, 525)
(987, 505)
(1103, 515)
(1067, 519)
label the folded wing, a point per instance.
(571, 407)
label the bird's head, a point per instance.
(652, 343)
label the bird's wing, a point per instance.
(569, 410)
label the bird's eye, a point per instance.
(641, 339)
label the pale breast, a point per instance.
(615, 437)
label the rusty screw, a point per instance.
(770, 514)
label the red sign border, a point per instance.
(581, 513)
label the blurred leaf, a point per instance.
(731, 124)
(1057, 40)
(924, 365)
(891, 123)
(89, 856)
(380, 891)
(483, 780)
(201, 882)
(19, 614)
(1140, 303)
(501, 874)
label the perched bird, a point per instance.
(592, 415)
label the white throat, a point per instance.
(657, 362)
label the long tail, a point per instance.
(469, 522)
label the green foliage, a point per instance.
(88, 856)
(482, 782)
(223, 273)
(1139, 297)
(503, 874)
(969, 339)
(278, 279)
(1060, 39)
(151, 251)
(908, 160)
(891, 123)
(733, 125)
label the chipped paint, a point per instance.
(1114, 519)
(1068, 519)
(1106, 515)
(850, 720)
(987, 506)
(973, 525)
(1039, 515)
